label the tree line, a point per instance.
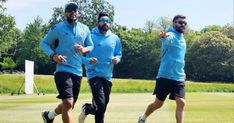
(209, 51)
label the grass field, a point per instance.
(45, 83)
(123, 108)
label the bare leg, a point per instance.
(58, 109)
(67, 110)
(153, 106)
(180, 105)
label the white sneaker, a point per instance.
(140, 120)
(82, 114)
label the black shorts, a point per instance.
(68, 85)
(165, 86)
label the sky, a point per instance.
(134, 13)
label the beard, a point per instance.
(103, 27)
(72, 18)
(180, 29)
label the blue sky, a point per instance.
(134, 13)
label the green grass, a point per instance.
(45, 83)
(123, 108)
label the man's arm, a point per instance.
(117, 53)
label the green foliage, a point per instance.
(140, 54)
(2, 8)
(7, 32)
(211, 28)
(228, 31)
(88, 9)
(31, 49)
(8, 63)
(211, 58)
(57, 16)
(190, 36)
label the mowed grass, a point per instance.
(123, 108)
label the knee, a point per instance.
(180, 103)
(68, 103)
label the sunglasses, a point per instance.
(71, 8)
(181, 22)
(103, 20)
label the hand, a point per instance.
(81, 49)
(93, 60)
(114, 60)
(163, 34)
(59, 58)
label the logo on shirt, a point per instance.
(82, 33)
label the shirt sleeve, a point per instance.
(118, 50)
(88, 40)
(167, 40)
(48, 40)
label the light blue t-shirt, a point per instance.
(173, 54)
(105, 48)
(68, 35)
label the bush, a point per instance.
(211, 58)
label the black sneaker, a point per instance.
(45, 117)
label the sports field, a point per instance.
(123, 108)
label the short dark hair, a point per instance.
(178, 16)
(101, 14)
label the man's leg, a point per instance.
(180, 105)
(107, 90)
(99, 99)
(67, 110)
(153, 106)
(97, 88)
(97, 107)
(68, 86)
(162, 89)
(150, 109)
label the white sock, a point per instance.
(143, 117)
(52, 114)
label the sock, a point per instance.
(52, 114)
(143, 117)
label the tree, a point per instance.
(228, 31)
(88, 9)
(31, 51)
(7, 33)
(2, 8)
(150, 26)
(163, 23)
(211, 58)
(57, 16)
(8, 63)
(141, 54)
(211, 28)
